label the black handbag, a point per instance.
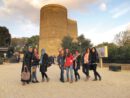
(91, 66)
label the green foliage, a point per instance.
(117, 54)
(18, 43)
(80, 44)
(33, 41)
(84, 43)
(24, 42)
(5, 37)
(67, 42)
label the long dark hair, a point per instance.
(87, 50)
(94, 53)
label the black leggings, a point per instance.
(44, 74)
(96, 74)
(77, 76)
(86, 69)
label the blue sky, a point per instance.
(98, 20)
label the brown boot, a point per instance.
(68, 80)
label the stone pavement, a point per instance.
(113, 85)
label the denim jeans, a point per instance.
(34, 77)
(86, 69)
(69, 69)
(77, 76)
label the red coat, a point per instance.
(68, 61)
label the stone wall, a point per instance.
(54, 26)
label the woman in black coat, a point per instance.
(93, 59)
(27, 61)
(43, 65)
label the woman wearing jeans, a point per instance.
(76, 63)
(61, 59)
(35, 63)
(86, 63)
(69, 66)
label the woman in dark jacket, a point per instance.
(43, 65)
(94, 57)
(35, 63)
(27, 61)
(61, 61)
(77, 58)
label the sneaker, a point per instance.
(67, 80)
(71, 81)
(48, 79)
(76, 80)
(100, 79)
(94, 79)
(62, 80)
(23, 83)
(37, 81)
(43, 80)
(87, 78)
(33, 81)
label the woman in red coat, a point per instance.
(69, 66)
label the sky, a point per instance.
(98, 20)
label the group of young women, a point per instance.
(31, 61)
(72, 62)
(68, 62)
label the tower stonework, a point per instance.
(54, 26)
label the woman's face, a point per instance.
(30, 49)
(35, 50)
(67, 50)
(62, 52)
(93, 50)
(88, 50)
(76, 52)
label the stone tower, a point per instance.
(54, 26)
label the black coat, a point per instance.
(43, 66)
(77, 62)
(35, 60)
(27, 58)
(93, 57)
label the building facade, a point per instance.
(54, 26)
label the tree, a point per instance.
(33, 41)
(67, 42)
(121, 38)
(18, 43)
(117, 54)
(84, 43)
(81, 44)
(5, 37)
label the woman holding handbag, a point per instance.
(26, 67)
